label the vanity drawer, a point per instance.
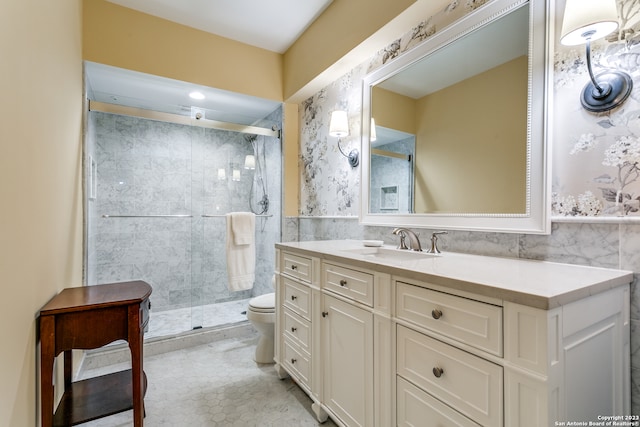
(467, 383)
(296, 362)
(472, 322)
(297, 330)
(414, 406)
(350, 283)
(297, 297)
(296, 266)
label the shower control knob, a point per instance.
(343, 282)
(436, 314)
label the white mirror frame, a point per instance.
(536, 219)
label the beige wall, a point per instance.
(470, 155)
(344, 25)
(40, 151)
(393, 111)
(125, 38)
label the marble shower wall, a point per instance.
(582, 144)
(146, 167)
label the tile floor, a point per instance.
(215, 385)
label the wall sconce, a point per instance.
(235, 176)
(249, 161)
(584, 21)
(339, 127)
(222, 174)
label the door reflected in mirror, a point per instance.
(392, 159)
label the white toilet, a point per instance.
(262, 314)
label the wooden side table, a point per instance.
(90, 317)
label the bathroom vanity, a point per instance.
(380, 337)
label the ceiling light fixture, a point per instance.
(196, 95)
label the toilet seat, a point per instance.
(263, 303)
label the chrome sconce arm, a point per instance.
(585, 21)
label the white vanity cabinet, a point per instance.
(347, 358)
(435, 342)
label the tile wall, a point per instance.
(146, 167)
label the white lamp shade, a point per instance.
(339, 124)
(588, 20)
(235, 175)
(249, 162)
(222, 174)
(372, 132)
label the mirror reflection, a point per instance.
(451, 129)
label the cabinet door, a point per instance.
(347, 338)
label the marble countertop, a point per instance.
(538, 284)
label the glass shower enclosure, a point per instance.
(157, 194)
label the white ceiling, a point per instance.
(273, 25)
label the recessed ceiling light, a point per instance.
(196, 95)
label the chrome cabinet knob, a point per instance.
(436, 314)
(437, 372)
(343, 282)
(325, 313)
(293, 329)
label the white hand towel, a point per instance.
(241, 258)
(243, 226)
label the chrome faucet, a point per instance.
(414, 242)
(434, 242)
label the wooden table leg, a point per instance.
(135, 345)
(47, 355)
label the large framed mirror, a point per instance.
(455, 132)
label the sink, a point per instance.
(384, 253)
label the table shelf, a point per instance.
(96, 397)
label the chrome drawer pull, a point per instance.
(438, 372)
(293, 297)
(343, 282)
(293, 329)
(436, 314)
